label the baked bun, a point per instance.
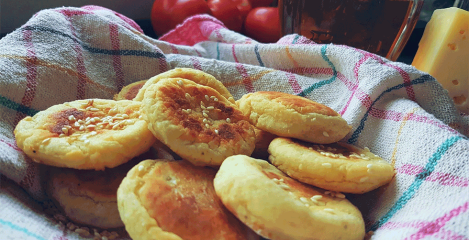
(130, 91)
(263, 140)
(293, 116)
(280, 208)
(85, 134)
(337, 167)
(196, 122)
(194, 75)
(89, 197)
(168, 200)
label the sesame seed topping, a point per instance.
(125, 116)
(316, 197)
(92, 133)
(284, 186)
(188, 96)
(230, 99)
(369, 166)
(212, 97)
(206, 97)
(325, 134)
(86, 141)
(203, 107)
(91, 126)
(363, 179)
(205, 115)
(207, 126)
(314, 119)
(140, 168)
(327, 165)
(329, 210)
(210, 107)
(62, 135)
(202, 103)
(82, 128)
(228, 120)
(340, 195)
(215, 99)
(205, 111)
(65, 130)
(71, 118)
(46, 140)
(94, 109)
(205, 120)
(216, 131)
(303, 199)
(180, 83)
(88, 108)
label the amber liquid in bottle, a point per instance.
(370, 25)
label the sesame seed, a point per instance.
(62, 135)
(205, 111)
(228, 120)
(189, 110)
(291, 193)
(81, 121)
(82, 128)
(207, 126)
(125, 116)
(314, 119)
(76, 124)
(180, 83)
(86, 141)
(329, 210)
(216, 131)
(205, 120)
(363, 179)
(140, 168)
(340, 195)
(206, 97)
(212, 97)
(94, 109)
(92, 133)
(327, 165)
(65, 130)
(118, 118)
(303, 199)
(230, 99)
(202, 103)
(112, 111)
(188, 96)
(91, 126)
(205, 115)
(71, 118)
(275, 179)
(88, 108)
(82, 138)
(284, 186)
(325, 134)
(203, 107)
(215, 99)
(128, 121)
(115, 125)
(316, 197)
(46, 140)
(369, 166)
(210, 107)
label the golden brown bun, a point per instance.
(89, 197)
(130, 91)
(85, 134)
(337, 167)
(194, 75)
(288, 115)
(280, 208)
(161, 199)
(196, 122)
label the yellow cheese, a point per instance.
(444, 53)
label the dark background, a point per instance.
(15, 13)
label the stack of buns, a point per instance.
(183, 160)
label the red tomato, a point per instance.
(260, 3)
(263, 24)
(231, 12)
(167, 14)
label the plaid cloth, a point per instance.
(398, 112)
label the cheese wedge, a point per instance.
(444, 53)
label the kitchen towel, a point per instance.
(398, 112)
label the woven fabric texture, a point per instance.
(398, 112)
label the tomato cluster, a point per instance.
(254, 18)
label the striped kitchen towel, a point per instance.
(398, 112)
